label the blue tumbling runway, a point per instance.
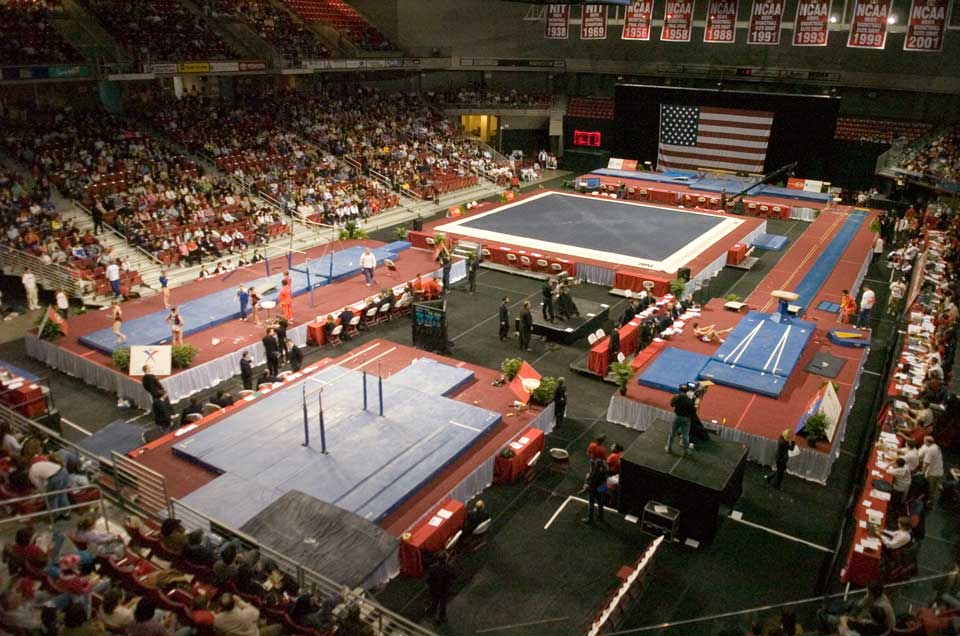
(827, 260)
(672, 368)
(772, 242)
(601, 224)
(374, 463)
(222, 306)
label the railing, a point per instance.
(119, 234)
(15, 263)
(54, 512)
(135, 482)
(385, 621)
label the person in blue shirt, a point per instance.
(244, 297)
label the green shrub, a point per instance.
(815, 426)
(543, 394)
(121, 358)
(400, 232)
(622, 372)
(677, 286)
(732, 298)
(182, 356)
(352, 231)
(511, 367)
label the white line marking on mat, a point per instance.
(783, 535)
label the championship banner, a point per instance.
(765, 18)
(593, 22)
(193, 67)
(868, 26)
(721, 25)
(677, 21)
(558, 22)
(638, 21)
(925, 27)
(812, 24)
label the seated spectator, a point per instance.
(146, 623)
(173, 536)
(194, 407)
(899, 538)
(23, 551)
(98, 542)
(305, 612)
(197, 551)
(115, 614)
(76, 623)
(239, 618)
(223, 399)
(477, 515)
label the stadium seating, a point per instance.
(344, 19)
(30, 36)
(875, 130)
(281, 29)
(936, 157)
(591, 107)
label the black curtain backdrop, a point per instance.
(802, 130)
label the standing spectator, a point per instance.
(97, 214)
(897, 290)
(560, 401)
(113, 275)
(504, 318)
(368, 262)
(785, 444)
(246, 371)
(440, 578)
(878, 249)
(867, 300)
(684, 409)
(931, 463)
(596, 448)
(473, 265)
(901, 483)
(30, 287)
(272, 349)
(547, 293)
(526, 326)
(63, 303)
(613, 343)
(596, 483)
(51, 476)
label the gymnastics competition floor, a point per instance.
(601, 229)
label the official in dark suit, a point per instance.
(547, 293)
(473, 265)
(150, 382)
(162, 410)
(272, 349)
(560, 401)
(504, 318)
(526, 326)
(281, 328)
(613, 343)
(785, 444)
(345, 317)
(629, 313)
(246, 371)
(294, 356)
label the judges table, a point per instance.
(431, 535)
(507, 469)
(24, 396)
(599, 361)
(315, 333)
(863, 561)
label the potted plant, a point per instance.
(732, 298)
(622, 372)
(677, 286)
(121, 358)
(511, 367)
(400, 233)
(51, 330)
(182, 356)
(352, 231)
(815, 428)
(543, 394)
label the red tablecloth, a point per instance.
(864, 567)
(736, 254)
(26, 397)
(430, 535)
(528, 444)
(315, 333)
(625, 279)
(599, 360)
(663, 196)
(648, 353)
(630, 337)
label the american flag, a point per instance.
(696, 137)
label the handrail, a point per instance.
(120, 234)
(48, 275)
(51, 512)
(304, 576)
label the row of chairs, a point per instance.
(371, 317)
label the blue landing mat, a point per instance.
(826, 305)
(116, 436)
(432, 377)
(772, 242)
(760, 344)
(744, 379)
(672, 368)
(863, 341)
(374, 464)
(222, 306)
(827, 260)
(714, 183)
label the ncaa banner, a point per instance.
(928, 20)
(765, 18)
(558, 22)
(638, 20)
(812, 24)
(868, 26)
(593, 22)
(721, 25)
(677, 21)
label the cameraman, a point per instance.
(684, 409)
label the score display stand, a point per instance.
(429, 326)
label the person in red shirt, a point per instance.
(596, 449)
(613, 459)
(431, 289)
(22, 551)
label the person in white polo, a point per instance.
(30, 287)
(113, 275)
(867, 301)
(368, 262)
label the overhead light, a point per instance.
(892, 19)
(834, 19)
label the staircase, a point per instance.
(85, 34)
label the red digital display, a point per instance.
(586, 138)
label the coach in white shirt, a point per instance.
(113, 275)
(931, 462)
(867, 301)
(30, 287)
(368, 263)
